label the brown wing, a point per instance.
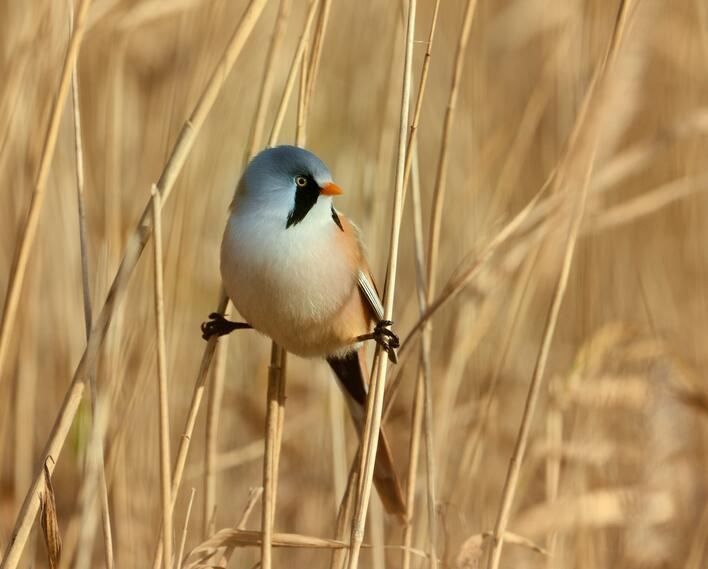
(365, 280)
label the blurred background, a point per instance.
(615, 472)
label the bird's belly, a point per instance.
(292, 292)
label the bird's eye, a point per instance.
(301, 181)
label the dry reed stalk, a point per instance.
(136, 243)
(254, 495)
(441, 173)
(217, 549)
(521, 293)
(270, 474)
(24, 403)
(422, 411)
(29, 229)
(458, 282)
(90, 492)
(344, 515)
(88, 312)
(413, 452)
(533, 220)
(275, 414)
(250, 538)
(163, 403)
(223, 303)
(374, 406)
(339, 447)
(256, 136)
(318, 42)
(554, 439)
(538, 212)
(417, 418)
(183, 449)
(292, 74)
(472, 550)
(562, 282)
(276, 372)
(81, 201)
(266, 88)
(301, 118)
(281, 416)
(433, 248)
(183, 539)
(413, 133)
(216, 392)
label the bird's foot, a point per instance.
(218, 325)
(385, 338)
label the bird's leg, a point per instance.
(385, 338)
(218, 325)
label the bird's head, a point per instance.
(288, 182)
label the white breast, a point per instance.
(286, 281)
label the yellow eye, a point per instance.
(301, 181)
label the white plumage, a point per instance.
(287, 282)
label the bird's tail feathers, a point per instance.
(351, 371)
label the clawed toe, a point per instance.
(212, 327)
(387, 339)
(218, 325)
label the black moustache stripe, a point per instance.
(305, 199)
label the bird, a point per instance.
(294, 267)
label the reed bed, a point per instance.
(529, 179)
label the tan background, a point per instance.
(626, 374)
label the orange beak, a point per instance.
(330, 190)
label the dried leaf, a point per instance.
(48, 519)
(211, 553)
(472, 550)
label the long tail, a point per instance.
(351, 371)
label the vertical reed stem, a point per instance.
(374, 405)
(163, 404)
(88, 311)
(29, 230)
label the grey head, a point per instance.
(288, 182)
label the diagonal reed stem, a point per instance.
(136, 243)
(209, 351)
(586, 156)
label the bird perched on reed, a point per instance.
(294, 268)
